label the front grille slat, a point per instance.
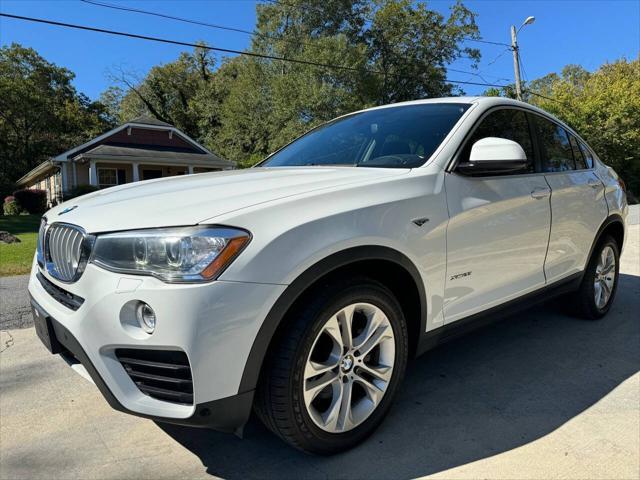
(63, 254)
(76, 250)
(67, 252)
(161, 374)
(63, 251)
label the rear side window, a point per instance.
(581, 164)
(507, 123)
(557, 155)
(588, 156)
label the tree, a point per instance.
(166, 92)
(385, 51)
(41, 114)
(604, 107)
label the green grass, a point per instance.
(15, 258)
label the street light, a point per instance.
(514, 47)
(528, 21)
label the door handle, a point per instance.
(594, 183)
(539, 193)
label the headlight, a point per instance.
(175, 255)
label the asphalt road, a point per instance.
(15, 312)
(539, 395)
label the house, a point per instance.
(141, 149)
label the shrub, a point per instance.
(80, 190)
(33, 201)
(6, 187)
(10, 207)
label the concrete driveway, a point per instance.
(539, 395)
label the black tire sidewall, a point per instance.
(376, 294)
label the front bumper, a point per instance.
(214, 324)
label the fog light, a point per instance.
(146, 317)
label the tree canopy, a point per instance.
(603, 107)
(384, 51)
(41, 113)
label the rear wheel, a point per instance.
(333, 374)
(600, 282)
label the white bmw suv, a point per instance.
(301, 287)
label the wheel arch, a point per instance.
(384, 264)
(614, 226)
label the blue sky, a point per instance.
(585, 32)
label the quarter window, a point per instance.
(507, 123)
(581, 164)
(588, 156)
(557, 155)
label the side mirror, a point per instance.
(494, 156)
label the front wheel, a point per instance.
(600, 281)
(333, 374)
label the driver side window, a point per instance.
(506, 123)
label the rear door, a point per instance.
(578, 206)
(499, 225)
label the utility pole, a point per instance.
(516, 62)
(516, 57)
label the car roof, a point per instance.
(485, 102)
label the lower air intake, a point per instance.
(162, 374)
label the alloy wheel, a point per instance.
(349, 367)
(605, 277)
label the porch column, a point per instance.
(75, 173)
(93, 173)
(64, 173)
(190, 169)
(136, 172)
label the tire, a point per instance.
(309, 333)
(585, 301)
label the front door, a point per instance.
(498, 227)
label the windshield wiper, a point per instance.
(331, 165)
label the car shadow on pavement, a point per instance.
(500, 388)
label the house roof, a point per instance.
(146, 120)
(35, 172)
(145, 153)
(153, 155)
(139, 122)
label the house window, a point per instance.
(107, 177)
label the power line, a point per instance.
(217, 49)
(222, 27)
(498, 56)
(178, 19)
(480, 40)
(547, 98)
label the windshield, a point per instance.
(394, 137)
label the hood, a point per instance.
(188, 200)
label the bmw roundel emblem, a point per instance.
(67, 210)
